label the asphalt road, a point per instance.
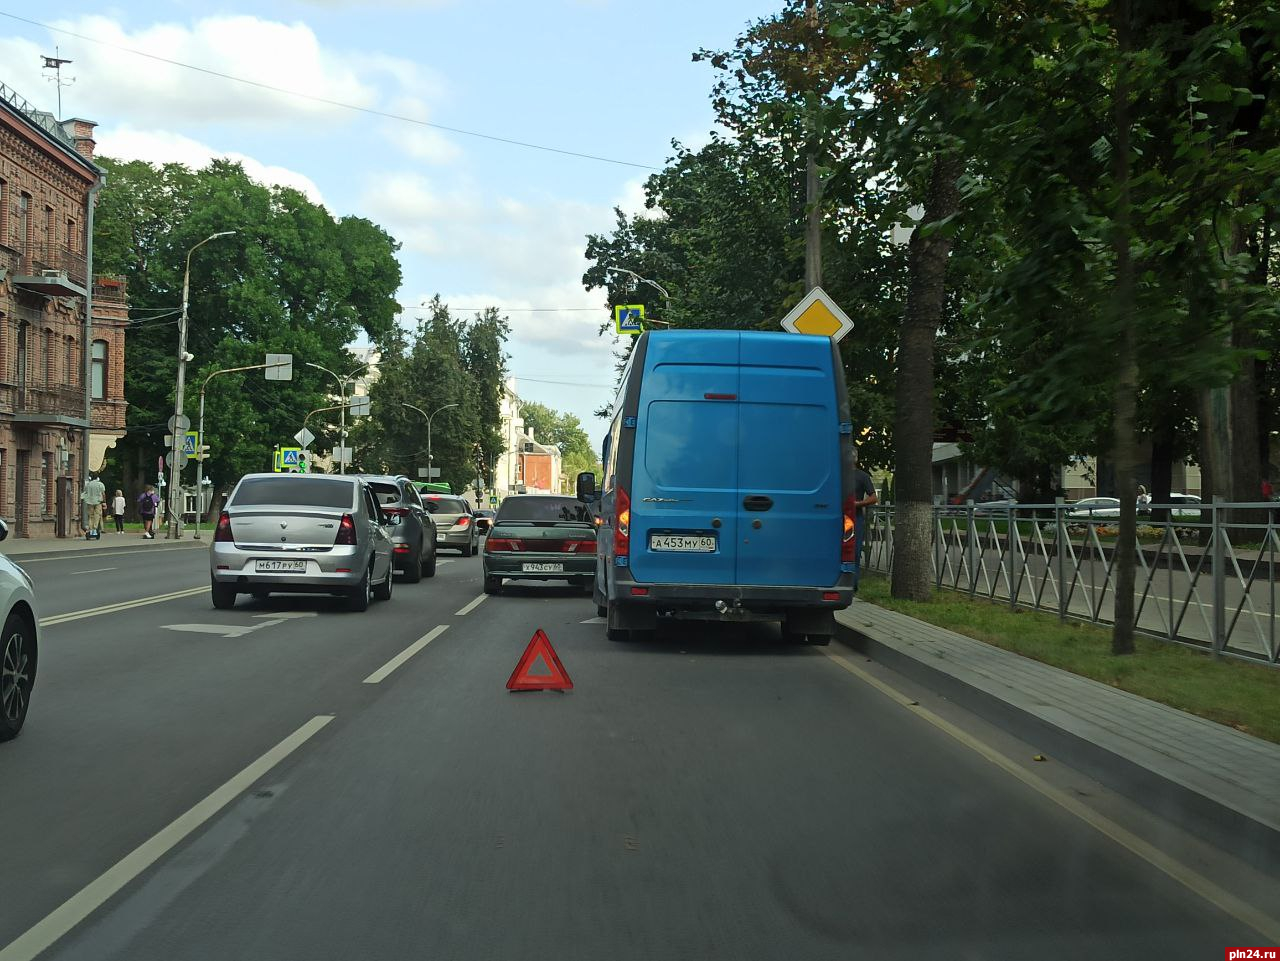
(710, 794)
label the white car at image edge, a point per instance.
(18, 649)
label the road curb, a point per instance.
(1223, 826)
(91, 552)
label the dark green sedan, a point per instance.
(540, 537)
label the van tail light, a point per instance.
(224, 533)
(849, 545)
(622, 528)
(503, 544)
(462, 521)
(346, 531)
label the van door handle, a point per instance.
(757, 502)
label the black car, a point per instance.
(413, 539)
(540, 537)
(484, 520)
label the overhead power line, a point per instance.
(325, 100)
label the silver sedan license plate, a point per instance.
(543, 568)
(688, 543)
(280, 567)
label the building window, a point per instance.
(99, 369)
(4, 211)
(73, 242)
(50, 236)
(48, 357)
(23, 236)
(21, 372)
(46, 482)
(70, 350)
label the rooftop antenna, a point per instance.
(55, 63)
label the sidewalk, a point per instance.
(72, 546)
(1211, 778)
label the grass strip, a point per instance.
(1232, 692)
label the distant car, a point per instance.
(540, 537)
(302, 533)
(1096, 508)
(413, 540)
(1185, 506)
(484, 520)
(455, 523)
(994, 507)
(19, 652)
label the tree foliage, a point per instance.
(452, 370)
(293, 279)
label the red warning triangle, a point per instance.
(522, 680)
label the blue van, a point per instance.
(728, 484)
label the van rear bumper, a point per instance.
(756, 598)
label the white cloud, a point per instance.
(419, 142)
(160, 147)
(113, 84)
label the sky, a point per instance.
(482, 223)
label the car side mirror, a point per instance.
(4, 530)
(587, 486)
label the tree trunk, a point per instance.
(913, 393)
(1163, 443)
(1125, 442)
(1246, 459)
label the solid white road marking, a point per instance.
(593, 620)
(89, 898)
(1186, 876)
(95, 570)
(381, 673)
(472, 606)
(122, 606)
(287, 615)
(226, 630)
(445, 560)
(25, 559)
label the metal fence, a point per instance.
(1206, 576)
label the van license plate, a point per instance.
(280, 567)
(688, 543)
(543, 568)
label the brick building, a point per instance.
(48, 182)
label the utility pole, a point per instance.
(342, 397)
(179, 396)
(812, 185)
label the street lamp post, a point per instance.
(200, 435)
(175, 468)
(429, 418)
(342, 397)
(645, 280)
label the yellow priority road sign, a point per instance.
(818, 314)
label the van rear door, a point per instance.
(685, 467)
(789, 463)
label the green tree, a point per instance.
(565, 431)
(291, 280)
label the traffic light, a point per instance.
(304, 462)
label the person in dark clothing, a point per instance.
(864, 495)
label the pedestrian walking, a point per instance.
(148, 501)
(117, 511)
(92, 497)
(864, 495)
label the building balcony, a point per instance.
(53, 270)
(49, 405)
(110, 289)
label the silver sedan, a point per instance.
(302, 533)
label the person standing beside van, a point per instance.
(117, 511)
(864, 495)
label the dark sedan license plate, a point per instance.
(280, 567)
(686, 543)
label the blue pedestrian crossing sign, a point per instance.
(190, 444)
(290, 457)
(628, 318)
